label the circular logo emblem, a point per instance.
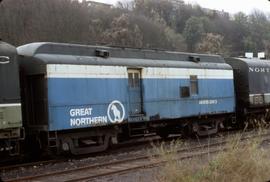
(116, 112)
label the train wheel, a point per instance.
(206, 129)
(163, 134)
(33, 148)
(187, 131)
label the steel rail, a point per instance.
(131, 164)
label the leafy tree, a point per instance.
(151, 8)
(176, 40)
(211, 44)
(239, 32)
(207, 24)
(165, 24)
(193, 32)
(124, 33)
(249, 44)
(259, 28)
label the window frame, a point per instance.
(194, 85)
(135, 80)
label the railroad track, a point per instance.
(31, 164)
(122, 147)
(91, 172)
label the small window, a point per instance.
(194, 90)
(184, 92)
(130, 79)
(134, 78)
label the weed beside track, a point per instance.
(239, 161)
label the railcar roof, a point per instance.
(47, 48)
(253, 61)
(7, 49)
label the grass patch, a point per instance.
(238, 163)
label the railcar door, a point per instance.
(37, 99)
(135, 91)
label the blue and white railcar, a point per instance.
(79, 98)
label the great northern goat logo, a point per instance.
(116, 112)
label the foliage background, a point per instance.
(158, 24)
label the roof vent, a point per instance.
(249, 55)
(195, 59)
(102, 53)
(261, 55)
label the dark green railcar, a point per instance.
(10, 102)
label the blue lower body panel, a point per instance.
(162, 97)
(79, 103)
(88, 102)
